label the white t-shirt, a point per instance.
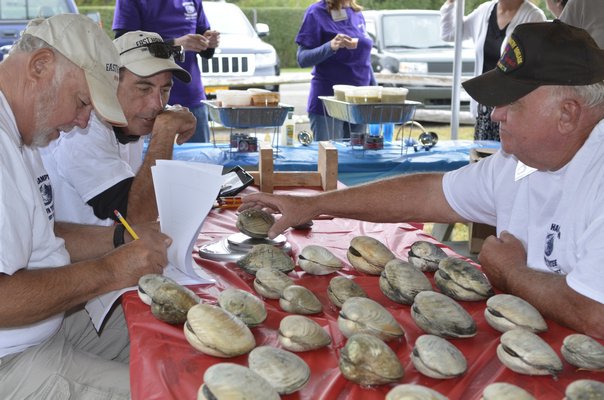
(84, 163)
(26, 225)
(558, 215)
(586, 14)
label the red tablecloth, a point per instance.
(164, 365)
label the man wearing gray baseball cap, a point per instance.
(59, 70)
(544, 191)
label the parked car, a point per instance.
(241, 53)
(408, 42)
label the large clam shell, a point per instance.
(254, 222)
(368, 255)
(234, 381)
(440, 315)
(367, 360)
(169, 301)
(244, 305)
(318, 260)
(341, 289)
(505, 312)
(299, 300)
(461, 280)
(437, 358)
(411, 391)
(401, 282)
(217, 332)
(526, 353)
(266, 255)
(505, 391)
(300, 333)
(583, 351)
(270, 282)
(285, 371)
(425, 255)
(585, 389)
(363, 315)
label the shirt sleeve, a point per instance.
(127, 15)
(310, 57)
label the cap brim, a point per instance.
(494, 88)
(105, 101)
(152, 66)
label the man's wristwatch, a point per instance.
(118, 235)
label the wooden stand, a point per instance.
(326, 176)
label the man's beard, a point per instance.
(43, 110)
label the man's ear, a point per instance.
(41, 64)
(570, 114)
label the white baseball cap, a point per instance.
(86, 45)
(146, 53)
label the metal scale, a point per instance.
(237, 245)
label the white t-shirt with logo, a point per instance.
(558, 216)
(26, 225)
(83, 163)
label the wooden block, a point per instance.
(328, 165)
(265, 167)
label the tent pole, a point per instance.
(456, 87)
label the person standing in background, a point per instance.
(333, 40)
(181, 23)
(556, 6)
(588, 15)
(489, 26)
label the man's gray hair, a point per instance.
(28, 44)
(592, 95)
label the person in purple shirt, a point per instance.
(327, 40)
(181, 23)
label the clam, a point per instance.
(244, 305)
(317, 260)
(285, 371)
(440, 315)
(368, 255)
(436, 358)
(425, 255)
(270, 282)
(266, 255)
(299, 300)
(234, 381)
(255, 223)
(300, 333)
(505, 391)
(505, 312)
(401, 281)
(367, 360)
(169, 301)
(341, 289)
(217, 332)
(461, 280)
(410, 391)
(363, 315)
(583, 351)
(526, 353)
(585, 389)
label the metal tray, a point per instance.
(370, 113)
(247, 117)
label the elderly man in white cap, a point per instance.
(55, 74)
(100, 168)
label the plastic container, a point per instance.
(286, 136)
(394, 95)
(234, 98)
(339, 91)
(364, 94)
(388, 132)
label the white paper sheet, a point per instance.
(185, 192)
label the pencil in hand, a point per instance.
(126, 224)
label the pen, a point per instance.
(126, 224)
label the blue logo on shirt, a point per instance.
(46, 193)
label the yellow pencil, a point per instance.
(126, 224)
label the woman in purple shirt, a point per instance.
(327, 41)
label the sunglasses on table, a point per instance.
(162, 50)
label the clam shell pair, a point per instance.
(217, 332)
(505, 312)
(401, 282)
(266, 255)
(583, 351)
(234, 381)
(460, 280)
(299, 333)
(584, 389)
(526, 353)
(285, 371)
(410, 391)
(255, 223)
(440, 315)
(169, 301)
(505, 391)
(270, 282)
(341, 289)
(244, 305)
(317, 260)
(425, 255)
(437, 358)
(368, 255)
(363, 315)
(367, 360)
(297, 299)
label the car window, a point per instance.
(412, 31)
(231, 21)
(22, 10)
